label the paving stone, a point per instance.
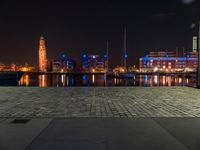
(99, 102)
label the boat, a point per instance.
(10, 78)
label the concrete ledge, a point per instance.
(17, 136)
(105, 134)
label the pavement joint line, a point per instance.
(45, 128)
(173, 136)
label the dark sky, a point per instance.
(72, 26)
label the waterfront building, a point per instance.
(63, 64)
(67, 62)
(168, 62)
(7, 68)
(26, 68)
(11, 67)
(1, 66)
(94, 63)
(56, 66)
(132, 69)
(119, 69)
(42, 55)
(162, 54)
(14, 67)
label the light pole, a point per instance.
(198, 51)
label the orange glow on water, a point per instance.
(42, 80)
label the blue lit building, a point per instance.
(168, 62)
(94, 63)
(64, 64)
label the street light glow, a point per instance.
(187, 1)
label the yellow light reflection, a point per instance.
(156, 80)
(93, 79)
(115, 81)
(63, 79)
(42, 80)
(24, 80)
(164, 80)
(187, 81)
(180, 80)
(169, 80)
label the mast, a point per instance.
(124, 50)
(177, 52)
(107, 51)
(183, 51)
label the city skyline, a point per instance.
(70, 27)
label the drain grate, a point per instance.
(20, 121)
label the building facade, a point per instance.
(64, 64)
(94, 63)
(168, 62)
(42, 55)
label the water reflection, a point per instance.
(172, 80)
(24, 80)
(93, 79)
(63, 80)
(102, 80)
(42, 80)
(155, 80)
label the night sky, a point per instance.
(72, 26)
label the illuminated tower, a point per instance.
(42, 55)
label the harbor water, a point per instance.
(65, 80)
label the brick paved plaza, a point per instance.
(99, 102)
(99, 118)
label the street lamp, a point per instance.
(198, 51)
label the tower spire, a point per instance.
(42, 55)
(42, 37)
